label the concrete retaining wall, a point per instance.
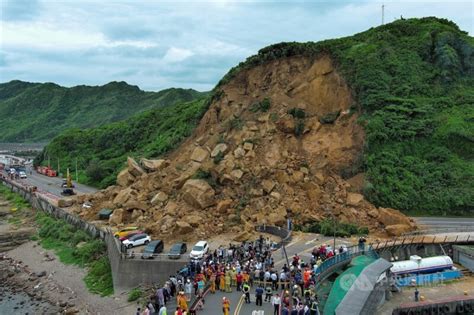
(126, 273)
(130, 273)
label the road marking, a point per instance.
(239, 305)
(311, 241)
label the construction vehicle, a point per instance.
(68, 190)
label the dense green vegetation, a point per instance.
(101, 152)
(72, 246)
(33, 112)
(413, 81)
(329, 227)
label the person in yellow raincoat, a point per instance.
(181, 300)
(212, 279)
(233, 279)
(221, 281)
(227, 282)
(225, 306)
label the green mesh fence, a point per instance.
(344, 282)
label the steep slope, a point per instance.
(285, 129)
(40, 111)
(101, 152)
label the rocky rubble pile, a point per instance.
(274, 145)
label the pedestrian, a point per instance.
(314, 310)
(163, 310)
(138, 311)
(178, 311)
(188, 289)
(268, 293)
(182, 302)
(227, 282)
(417, 294)
(259, 295)
(151, 307)
(146, 311)
(225, 306)
(213, 281)
(276, 302)
(246, 290)
(239, 279)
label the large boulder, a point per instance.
(397, 229)
(134, 168)
(160, 197)
(219, 148)
(64, 203)
(124, 178)
(198, 193)
(193, 220)
(354, 199)
(199, 154)
(117, 217)
(123, 196)
(392, 217)
(154, 165)
(268, 185)
(183, 227)
(223, 205)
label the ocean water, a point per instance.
(22, 304)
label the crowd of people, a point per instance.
(246, 267)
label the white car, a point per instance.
(199, 250)
(137, 240)
(22, 174)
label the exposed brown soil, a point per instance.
(272, 166)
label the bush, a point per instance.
(236, 123)
(299, 127)
(219, 157)
(297, 113)
(134, 295)
(329, 118)
(262, 106)
(328, 227)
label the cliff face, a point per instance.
(273, 145)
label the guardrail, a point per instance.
(284, 234)
(424, 239)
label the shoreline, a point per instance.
(31, 269)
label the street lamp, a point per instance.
(329, 210)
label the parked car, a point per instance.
(68, 192)
(22, 174)
(154, 247)
(123, 238)
(137, 240)
(199, 250)
(177, 249)
(125, 231)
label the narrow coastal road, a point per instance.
(52, 185)
(434, 223)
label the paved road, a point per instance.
(432, 223)
(52, 185)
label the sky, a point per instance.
(188, 44)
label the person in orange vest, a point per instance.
(225, 306)
(221, 281)
(306, 277)
(182, 302)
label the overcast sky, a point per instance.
(189, 44)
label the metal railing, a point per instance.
(330, 264)
(424, 239)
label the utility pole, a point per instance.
(383, 14)
(59, 169)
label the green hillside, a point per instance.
(36, 112)
(413, 82)
(101, 152)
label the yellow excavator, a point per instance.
(68, 185)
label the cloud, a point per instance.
(177, 54)
(157, 45)
(19, 10)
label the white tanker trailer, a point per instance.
(416, 264)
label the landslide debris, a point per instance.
(271, 146)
